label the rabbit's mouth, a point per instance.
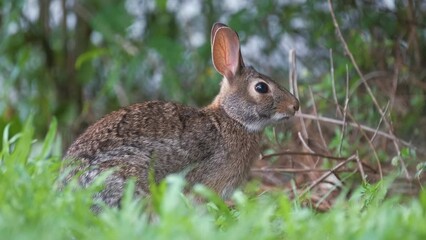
(280, 117)
(262, 120)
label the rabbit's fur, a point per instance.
(215, 145)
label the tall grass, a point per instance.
(32, 207)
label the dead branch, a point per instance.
(314, 107)
(366, 85)
(327, 174)
(315, 155)
(299, 170)
(304, 143)
(345, 109)
(333, 83)
(365, 128)
(370, 144)
(361, 168)
(293, 81)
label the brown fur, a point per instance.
(215, 145)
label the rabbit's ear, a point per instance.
(215, 27)
(226, 53)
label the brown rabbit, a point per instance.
(215, 145)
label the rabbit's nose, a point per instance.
(294, 106)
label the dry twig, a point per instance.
(360, 126)
(302, 154)
(314, 107)
(304, 143)
(331, 157)
(378, 125)
(327, 174)
(294, 87)
(360, 168)
(299, 170)
(366, 85)
(333, 83)
(345, 109)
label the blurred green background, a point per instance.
(78, 60)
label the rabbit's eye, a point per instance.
(261, 87)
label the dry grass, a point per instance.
(314, 171)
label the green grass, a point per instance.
(32, 207)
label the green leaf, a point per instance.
(6, 146)
(213, 197)
(48, 142)
(405, 153)
(395, 161)
(90, 55)
(22, 150)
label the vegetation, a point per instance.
(350, 165)
(31, 206)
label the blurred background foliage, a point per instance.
(78, 60)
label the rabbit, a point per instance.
(215, 145)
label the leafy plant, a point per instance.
(32, 206)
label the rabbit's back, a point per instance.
(167, 138)
(147, 129)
